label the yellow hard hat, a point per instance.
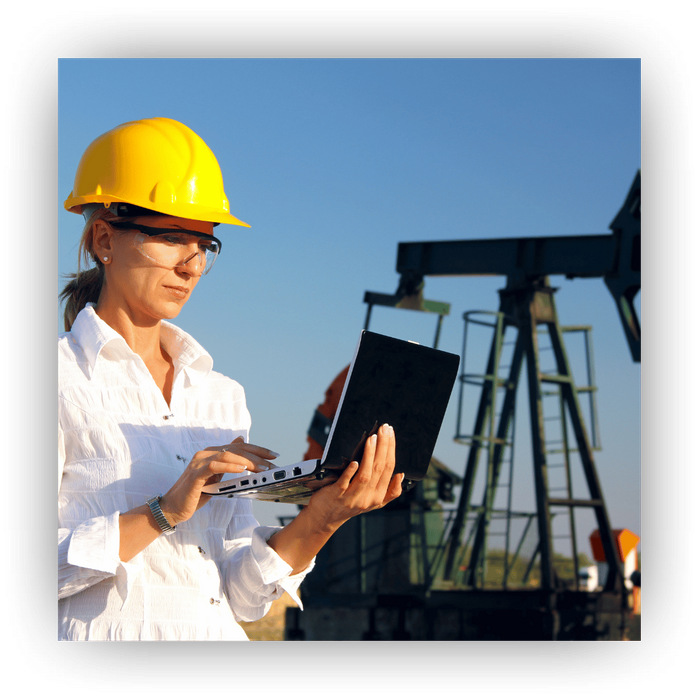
(156, 164)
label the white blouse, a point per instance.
(119, 445)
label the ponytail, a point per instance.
(84, 285)
(82, 288)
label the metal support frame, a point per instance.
(526, 262)
(486, 434)
(411, 299)
(527, 306)
(615, 257)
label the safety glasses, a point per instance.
(174, 247)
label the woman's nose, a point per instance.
(193, 261)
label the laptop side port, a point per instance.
(279, 475)
(297, 471)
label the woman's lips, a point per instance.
(179, 292)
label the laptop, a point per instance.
(392, 381)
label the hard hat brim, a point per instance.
(189, 211)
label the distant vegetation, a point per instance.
(523, 572)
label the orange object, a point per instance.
(328, 409)
(625, 541)
(626, 545)
(636, 600)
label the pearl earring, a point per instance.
(105, 258)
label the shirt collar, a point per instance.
(94, 335)
(186, 352)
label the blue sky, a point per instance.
(333, 163)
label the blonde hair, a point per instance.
(84, 286)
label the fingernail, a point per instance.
(274, 453)
(373, 439)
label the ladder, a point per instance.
(560, 448)
(492, 438)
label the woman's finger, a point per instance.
(394, 490)
(225, 460)
(250, 457)
(385, 458)
(365, 472)
(239, 446)
(346, 476)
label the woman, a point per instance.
(145, 423)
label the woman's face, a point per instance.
(143, 287)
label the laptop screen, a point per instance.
(397, 382)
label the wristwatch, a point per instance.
(165, 526)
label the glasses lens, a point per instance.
(173, 250)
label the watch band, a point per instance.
(165, 526)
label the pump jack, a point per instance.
(526, 302)
(417, 608)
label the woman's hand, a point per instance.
(208, 467)
(362, 487)
(138, 528)
(359, 489)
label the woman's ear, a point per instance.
(102, 236)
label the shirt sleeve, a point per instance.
(87, 554)
(254, 574)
